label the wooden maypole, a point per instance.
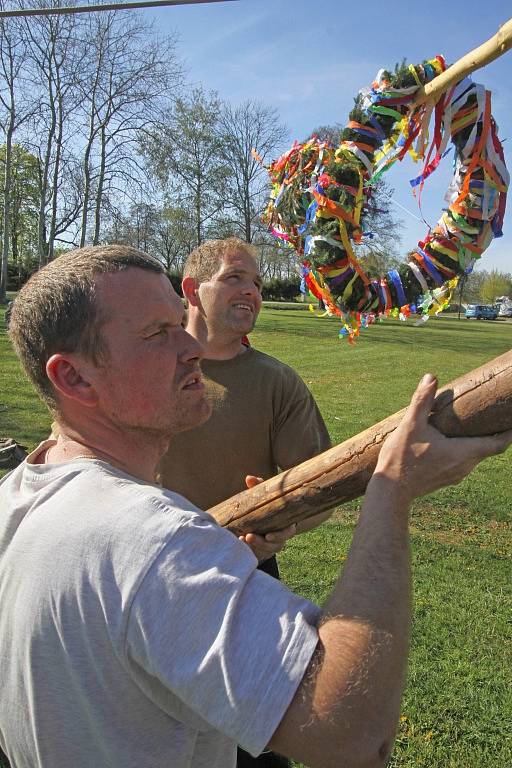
(492, 49)
(478, 403)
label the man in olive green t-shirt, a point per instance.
(264, 419)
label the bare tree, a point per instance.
(174, 237)
(245, 129)
(56, 61)
(185, 154)
(130, 74)
(167, 233)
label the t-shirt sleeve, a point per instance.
(226, 645)
(299, 431)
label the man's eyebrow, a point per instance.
(241, 271)
(159, 324)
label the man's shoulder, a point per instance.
(252, 365)
(111, 497)
(144, 498)
(264, 361)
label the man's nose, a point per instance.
(191, 348)
(249, 288)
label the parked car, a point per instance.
(505, 311)
(481, 312)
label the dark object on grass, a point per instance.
(11, 453)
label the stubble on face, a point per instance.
(152, 383)
(187, 416)
(232, 297)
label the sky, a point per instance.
(308, 59)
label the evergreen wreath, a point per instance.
(320, 194)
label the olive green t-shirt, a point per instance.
(264, 419)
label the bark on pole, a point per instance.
(478, 403)
(496, 46)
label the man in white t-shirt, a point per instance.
(130, 629)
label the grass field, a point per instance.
(457, 710)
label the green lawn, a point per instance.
(457, 710)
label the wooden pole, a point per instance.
(121, 6)
(478, 403)
(496, 46)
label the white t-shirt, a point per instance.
(134, 631)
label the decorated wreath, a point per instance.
(320, 194)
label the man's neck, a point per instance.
(132, 451)
(224, 351)
(217, 346)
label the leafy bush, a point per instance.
(18, 274)
(280, 289)
(175, 279)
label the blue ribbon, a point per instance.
(395, 277)
(415, 182)
(434, 274)
(380, 294)
(429, 70)
(369, 134)
(375, 124)
(496, 224)
(309, 214)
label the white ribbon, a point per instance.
(419, 277)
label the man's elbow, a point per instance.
(367, 754)
(333, 747)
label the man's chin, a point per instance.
(192, 418)
(248, 327)
(243, 325)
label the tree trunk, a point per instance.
(6, 210)
(99, 191)
(43, 251)
(55, 176)
(198, 213)
(478, 403)
(87, 166)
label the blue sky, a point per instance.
(309, 59)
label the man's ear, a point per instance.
(190, 287)
(70, 380)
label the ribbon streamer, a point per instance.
(321, 195)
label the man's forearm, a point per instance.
(355, 683)
(346, 708)
(375, 583)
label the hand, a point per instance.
(270, 543)
(420, 460)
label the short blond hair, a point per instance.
(204, 261)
